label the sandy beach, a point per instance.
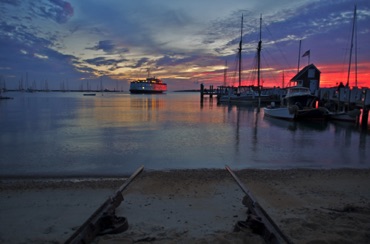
(192, 206)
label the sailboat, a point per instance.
(343, 115)
(1, 92)
(245, 94)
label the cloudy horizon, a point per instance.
(184, 43)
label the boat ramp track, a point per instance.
(258, 220)
(104, 221)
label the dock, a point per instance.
(208, 92)
(334, 98)
(346, 99)
(268, 95)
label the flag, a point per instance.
(307, 53)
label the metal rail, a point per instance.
(103, 220)
(259, 220)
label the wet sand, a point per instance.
(193, 206)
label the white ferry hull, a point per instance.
(147, 87)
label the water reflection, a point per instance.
(73, 134)
(318, 125)
(119, 110)
(270, 141)
(242, 117)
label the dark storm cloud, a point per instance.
(33, 58)
(101, 61)
(173, 60)
(58, 10)
(140, 63)
(109, 47)
(21, 51)
(21, 38)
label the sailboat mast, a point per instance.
(101, 85)
(259, 64)
(356, 50)
(299, 55)
(225, 73)
(350, 52)
(240, 52)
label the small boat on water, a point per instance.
(4, 97)
(298, 104)
(89, 94)
(149, 85)
(243, 94)
(348, 116)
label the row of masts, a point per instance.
(259, 48)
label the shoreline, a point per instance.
(328, 205)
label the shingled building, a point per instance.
(309, 77)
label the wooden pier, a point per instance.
(207, 92)
(335, 98)
(268, 95)
(346, 99)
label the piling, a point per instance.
(365, 117)
(201, 92)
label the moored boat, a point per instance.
(149, 85)
(242, 94)
(4, 97)
(245, 94)
(349, 116)
(341, 113)
(298, 104)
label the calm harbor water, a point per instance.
(69, 134)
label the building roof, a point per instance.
(299, 75)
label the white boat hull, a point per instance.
(281, 113)
(294, 113)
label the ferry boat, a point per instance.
(149, 85)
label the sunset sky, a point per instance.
(78, 43)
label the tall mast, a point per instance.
(225, 73)
(299, 55)
(350, 52)
(240, 52)
(101, 85)
(356, 50)
(259, 64)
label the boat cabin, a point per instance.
(308, 77)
